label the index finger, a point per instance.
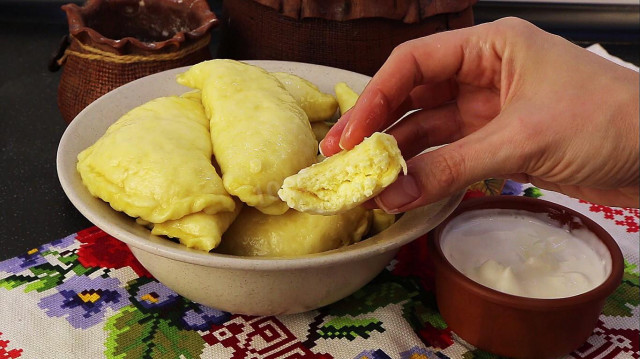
(429, 60)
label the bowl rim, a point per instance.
(378, 244)
(534, 205)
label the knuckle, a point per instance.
(445, 170)
(511, 22)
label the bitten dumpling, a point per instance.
(294, 233)
(155, 162)
(318, 106)
(260, 135)
(346, 179)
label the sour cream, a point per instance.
(525, 254)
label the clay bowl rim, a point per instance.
(76, 14)
(535, 205)
(135, 235)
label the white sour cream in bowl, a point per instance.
(525, 254)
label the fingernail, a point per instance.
(400, 193)
(344, 121)
(320, 148)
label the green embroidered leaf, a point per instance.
(172, 342)
(79, 269)
(14, 281)
(134, 334)
(128, 332)
(71, 259)
(47, 277)
(428, 314)
(368, 299)
(350, 328)
(624, 298)
(532, 192)
(385, 289)
(632, 270)
(479, 354)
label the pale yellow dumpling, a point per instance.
(260, 135)
(294, 233)
(199, 230)
(346, 179)
(318, 106)
(320, 129)
(381, 220)
(155, 162)
(346, 96)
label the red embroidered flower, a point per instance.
(6, 353)
(99, 249)
(437, 338)
(473, 194)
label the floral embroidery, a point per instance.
(154, 296)
(373, 354)
(83, 300)
(5, 352)
(101, 250)
(157, 314)
(512, 188)
(35, 256)
(201, 317)
(420, 353)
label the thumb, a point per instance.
(440, 173)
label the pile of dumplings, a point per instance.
(206, 167)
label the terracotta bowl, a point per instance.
(516, 326)
(245, 285)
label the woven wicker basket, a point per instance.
(112, 42)
(356, 35)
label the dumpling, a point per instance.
(346, 96)
(320, 129)
(346, 179)
(198, 230)
(294, 233)
(381, 220)
(318, 106)
(260, 135)
(155, 162)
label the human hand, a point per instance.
(511, 101)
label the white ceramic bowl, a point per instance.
(255, 286)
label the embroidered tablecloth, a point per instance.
(86, 296)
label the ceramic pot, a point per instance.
(515, 326)
(112, 42)
(356, 35)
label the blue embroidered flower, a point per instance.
(154, 295)
(35, 256)
(512, 188)
(83, 300)
(373, 354)
(201, 317)
(421, 353)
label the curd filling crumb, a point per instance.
(525, 254)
